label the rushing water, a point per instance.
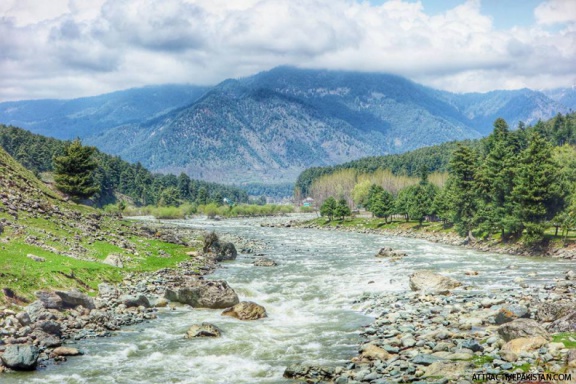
(308, 298)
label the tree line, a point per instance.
(511, 185)
(110, 175)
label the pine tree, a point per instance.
(342, 209)
(496, 181)
(73, 172)
(382, 204)
(328, 208)
(536, 190)
(461, 187)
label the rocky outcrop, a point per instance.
(114, 260)
(20, 357)
(215, 294)
(203, 330)
(522, 328)
(432, 282)
(246, 310)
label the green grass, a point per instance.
(567, 338)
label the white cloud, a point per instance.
(82, 47)
(556, 11)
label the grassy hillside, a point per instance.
(47, 242)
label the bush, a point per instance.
(210, 239)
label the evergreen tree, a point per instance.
(382, 204)
(496, 181)
(373, 192)
(441, 207)
(420, 200)
(73, 172)
(536, 191)
(169, 197)
(328, 208)
(342, 209)
(461, 187)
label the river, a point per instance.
(309, 298)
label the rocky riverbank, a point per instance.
(40, 333)
(462, 335)
(448, 238)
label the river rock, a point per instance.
(74, 298)
(114, 260)
(511, 312)
(264, 262)
(24, 318)
(564, 324)
(50, 300)
(374, 352)
(448, 369)
(135, 301)
(106, 290)
(389, 252)
(524, 344)
(214, 294)
(203, 330)
(246, 310)
(66, 351)
(571, 359)
(549, 311)
(429, 281)
(20, 357)
(522, 328)
(224, 251)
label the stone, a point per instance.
(246, 310)
(224, 251)
(429, 281)
(49, 300)
(425, 359)
(114, 260)
(571, 359)
(107, 290)
(135, 301)
(511, 312)
(36, 258)
(214, 294)
(35, 310)
(389, 252)
(203, 330)
(547, 311)
(524, 344)
(522, 328)
(20, 357)
(448, 369)
(264, 262)
(50, 327)
(66, 351)
(564, 324)
(74, 298)
(24, 318)
(508, 356)
(374, 352)
(472, 345)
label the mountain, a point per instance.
(271, 126)
(87, 116)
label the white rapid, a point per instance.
(309, 299)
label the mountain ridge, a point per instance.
(270, 126)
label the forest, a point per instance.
(115, 177)
(512, 184)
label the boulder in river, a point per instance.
(522, 328)
(214, 294)
(265, 262)
(389, 252)
(21, 357)
(224, 251)
(203, 330)
(135, 301)
(66, 351)
(429, 281)
(246, 310)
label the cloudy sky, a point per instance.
(73, 48)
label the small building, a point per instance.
(308, 202)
